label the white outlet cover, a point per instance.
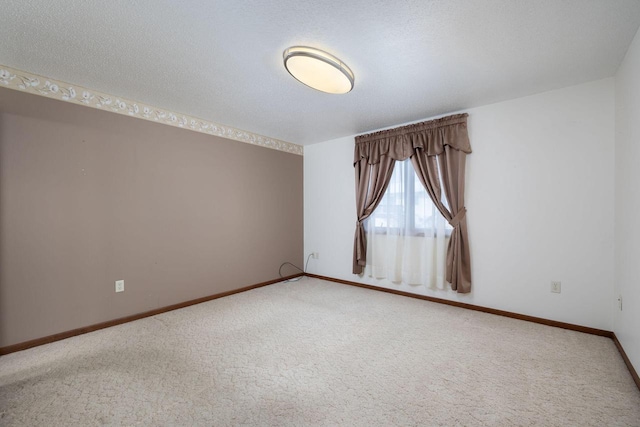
(119, 285)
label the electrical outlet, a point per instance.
(315, 255)
(119, 285)
(556, 287)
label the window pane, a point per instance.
(390, 212)
(423, 207)
(407, 206)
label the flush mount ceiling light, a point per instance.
(318, 69)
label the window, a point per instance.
(406, 234)
(406, 207)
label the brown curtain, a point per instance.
(372, 181)
(444, 139)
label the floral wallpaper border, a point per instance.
(32, 83)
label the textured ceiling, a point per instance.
(222, 60)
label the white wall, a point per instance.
(540, 199)
(627, 184)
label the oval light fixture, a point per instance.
(318, 69)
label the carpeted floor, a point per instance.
(313, 353)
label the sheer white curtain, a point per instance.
(406, 234)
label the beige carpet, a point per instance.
(319, 353)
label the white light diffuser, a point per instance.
(318, 69)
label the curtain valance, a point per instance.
(401, 143)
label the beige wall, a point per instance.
(88, 197)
